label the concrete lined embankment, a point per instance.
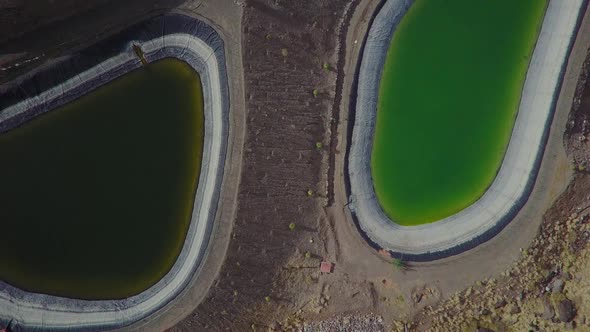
(513, 184)
(201, 47)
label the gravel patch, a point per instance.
(353, 323)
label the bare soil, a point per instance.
(283, 181)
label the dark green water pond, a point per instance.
(96, 197)
(448, 99)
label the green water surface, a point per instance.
(448, 99)
(96, 196)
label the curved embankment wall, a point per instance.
(176, 36)
(516, 177)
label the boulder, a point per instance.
(566, 311)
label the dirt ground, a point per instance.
(285, 47)
(287, 185)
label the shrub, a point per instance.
(399, 264)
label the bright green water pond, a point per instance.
(96, 196)
(448, 99)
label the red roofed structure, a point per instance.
(326, 267)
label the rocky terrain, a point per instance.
(548, 289)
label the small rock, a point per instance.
(548, 312)
(514, 309)
(557, 286)
(484, 329)
(566, 311)
(500, 303)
